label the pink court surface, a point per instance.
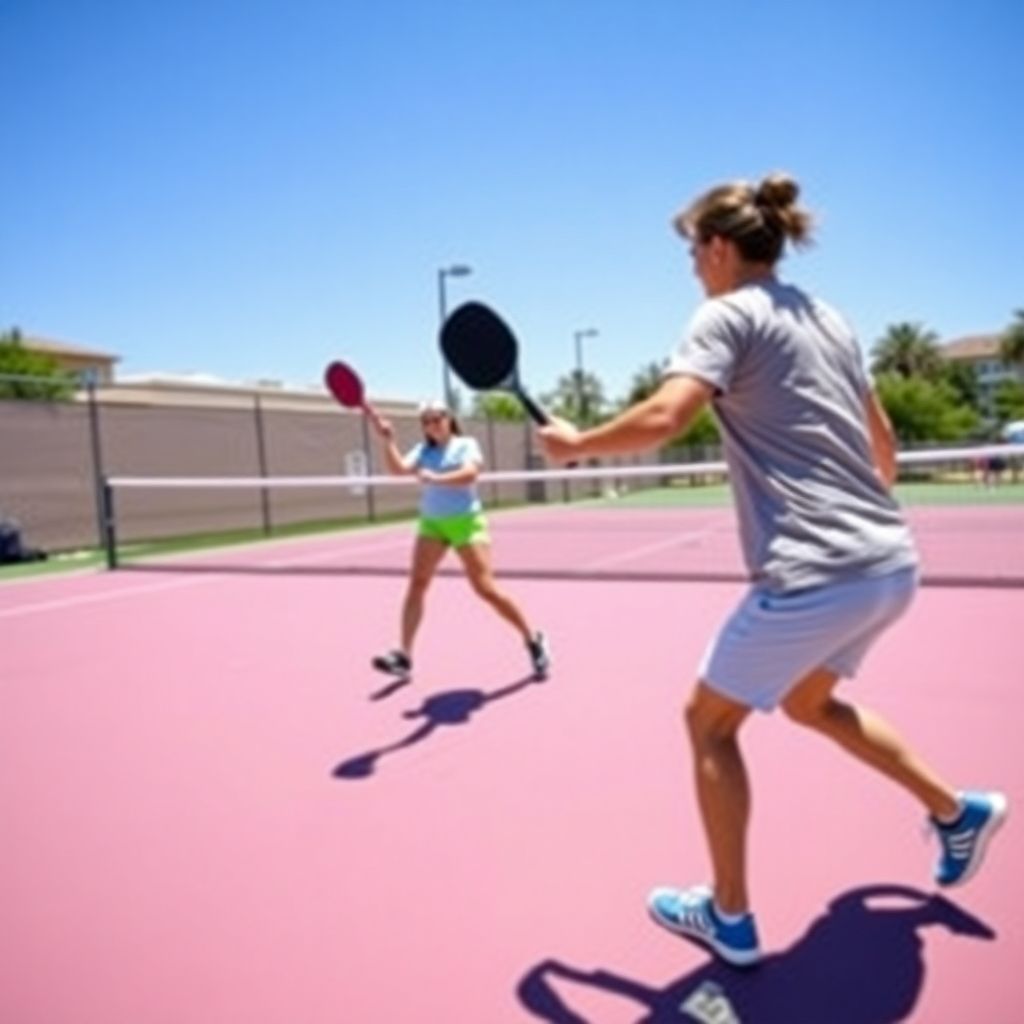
(214, 812)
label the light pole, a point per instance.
(443, 273)
(581, 394)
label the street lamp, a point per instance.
(581, 396)
(456, 270)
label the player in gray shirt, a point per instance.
(832, 563)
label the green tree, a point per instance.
(702, 431)
(1009, 401)
(961, 378)
(498, 405)
(925, 410)
(1012, 342)
(645, 382)
(565, 400)
(909, 351)
(51, 382)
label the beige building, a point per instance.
(212, 392)
(982, 352)
(74, 358)
(195, 389)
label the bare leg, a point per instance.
(476, 558)
(723, 791)
(426, 557)
(869, 738)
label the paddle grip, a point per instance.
(537, 414)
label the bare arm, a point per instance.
(392, 456)
(883, 439)
(648, 424)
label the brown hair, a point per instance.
(758, 218)
(438, 409)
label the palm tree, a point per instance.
(909, 351)
(1012, 347)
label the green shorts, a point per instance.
(458, 531)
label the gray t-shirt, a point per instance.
(789, 396)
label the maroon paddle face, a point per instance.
(343, 382)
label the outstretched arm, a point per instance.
(386, 432)
(648, 424)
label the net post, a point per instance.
(109, 529)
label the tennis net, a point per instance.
(611, 521)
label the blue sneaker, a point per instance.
(691, 912)
(964, 840)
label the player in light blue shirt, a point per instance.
(451, 516)
(831, 560)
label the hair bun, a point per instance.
(778, 190)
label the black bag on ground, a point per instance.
(12, 547)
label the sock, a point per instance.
(728, 918)
(950, 822)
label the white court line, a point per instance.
(150, 588)
(647, 549)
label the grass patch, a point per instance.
(70, 561)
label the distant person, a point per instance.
(447, 464)
(832, 563)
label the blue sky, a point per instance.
(250, 189)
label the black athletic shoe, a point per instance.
(540, 655)
(394, 663)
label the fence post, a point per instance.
(96, 449)
(492, 457)
(371, 509)
(261, 455)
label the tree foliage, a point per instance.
(499, 406)
(1012, 342)
(925, 410)
(1009, 401)
(645, 382)
(580, 400)
(702, 431)
(49, 380)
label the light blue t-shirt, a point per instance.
(438, 500)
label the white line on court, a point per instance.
(647, 549)
(224, 573)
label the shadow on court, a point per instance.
(861, 962)
(452, 707)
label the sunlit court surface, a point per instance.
(215, 811)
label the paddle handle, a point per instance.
(537, 414)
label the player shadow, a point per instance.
(856, 964)
(451, 707)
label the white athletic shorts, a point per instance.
(772, 640)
